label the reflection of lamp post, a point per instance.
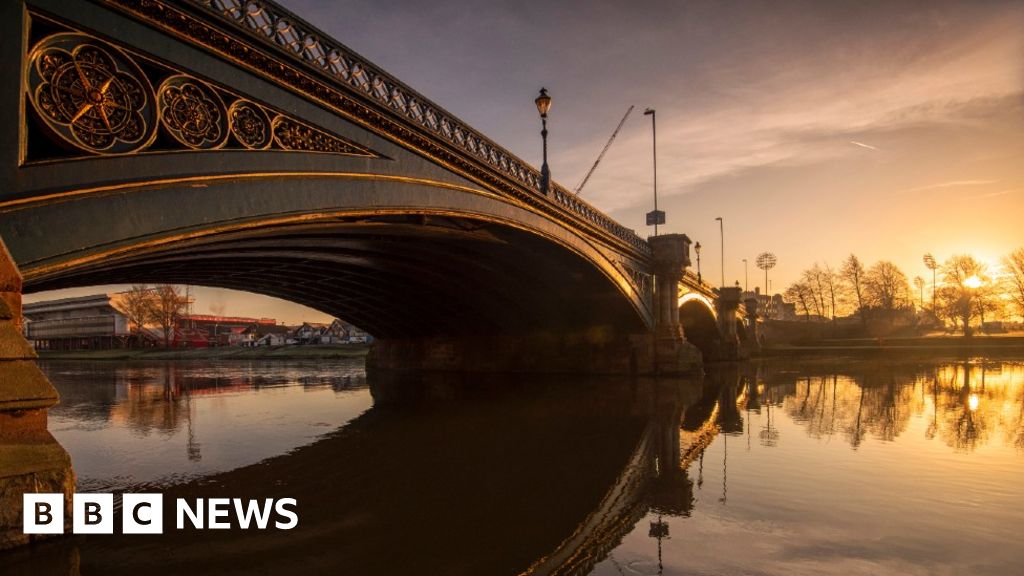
(696, 249)
(543, 103)
(659, 530)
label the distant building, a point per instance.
(84, 322)
(266, 335)
(308, 333)
(202, 330)
(341, 332)
(773, 307)
(780, 309)
(271, 339)
(99, 322)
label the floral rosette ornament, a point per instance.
(91, 95)
(193, 113)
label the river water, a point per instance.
(776, 467)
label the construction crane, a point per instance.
(579, 187)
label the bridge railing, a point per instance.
(690, 278)
(278, 26)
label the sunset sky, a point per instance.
(814, 129)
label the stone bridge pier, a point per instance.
(728, 304)
(752, 343)
(672, 352)
(31, 460)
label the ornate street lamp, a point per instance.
(543, 103)
(696, 248)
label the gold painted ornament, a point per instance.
(90, 94)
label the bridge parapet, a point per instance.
(301, 41)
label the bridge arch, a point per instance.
(699, 319)
(403, 258)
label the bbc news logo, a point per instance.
(144, 513)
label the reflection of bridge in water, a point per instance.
(684, 422)
(449, 475)
(457, 475)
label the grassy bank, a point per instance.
(222, 353)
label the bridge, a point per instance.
(229, 143)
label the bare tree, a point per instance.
(137, 306)
(853, 273)
(1013, 281)
(886, 288)
(167, 304)
(987, 301)
(801, 294)
(812, 279)
(963, 277)
(833, 286)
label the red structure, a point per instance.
(203, 330)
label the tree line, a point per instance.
(964, 289)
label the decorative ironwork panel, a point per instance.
(91, 95)
(641, 280)
(192, 113)
(96, 98)
(292, 135)
(250, 124)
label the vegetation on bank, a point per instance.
(962, 290)
(219, 353)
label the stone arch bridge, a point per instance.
(229, 143)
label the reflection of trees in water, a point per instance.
(962, 403)
(975, 400)
(873, 402)
(1016, 431)
(962, 419)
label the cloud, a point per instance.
(993, 194)
(863, 145)
(950, 184)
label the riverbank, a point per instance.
(922, 346)
(221, 353)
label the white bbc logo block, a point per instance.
(142, 514)
(93, 514)
(43, 513)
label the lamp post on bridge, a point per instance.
(656, 216)
(721, 231)
(543, 103)
(696, 249)
(746, 277)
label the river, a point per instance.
(774, 467)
